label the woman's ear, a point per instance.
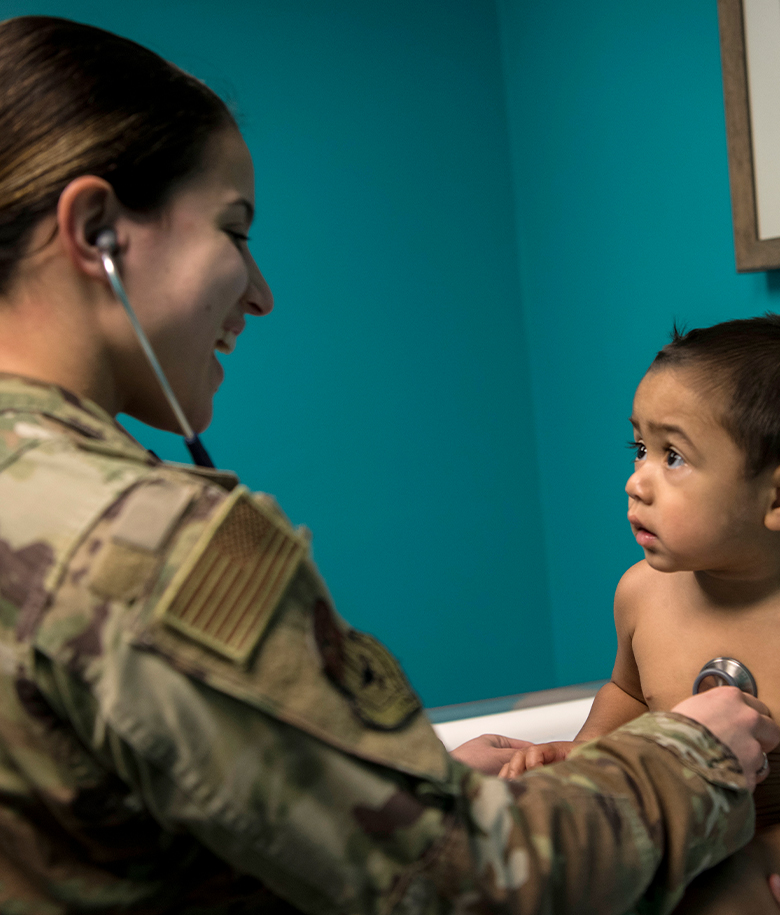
(87, 205)
(772, 517)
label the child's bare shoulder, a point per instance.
(635, 582)
(639, 586)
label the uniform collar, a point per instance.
(97, 430)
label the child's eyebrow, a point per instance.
(663, 427)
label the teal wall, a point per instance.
(479, 220)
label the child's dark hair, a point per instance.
(741, 359)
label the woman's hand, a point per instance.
(740, 721)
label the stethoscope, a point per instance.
(728, 672)
(725, 672)
(107, 245)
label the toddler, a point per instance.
(704, 505)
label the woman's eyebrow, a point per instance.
(247, 205)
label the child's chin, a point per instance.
(661, 562)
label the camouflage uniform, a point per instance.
(186, 722)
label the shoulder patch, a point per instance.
(365, 671)
(224, 594)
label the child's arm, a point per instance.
(620, 700)
(612, 706)
(616, 703)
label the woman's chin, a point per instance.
(200, 415)
(198, 412)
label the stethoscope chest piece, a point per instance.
(725, 672)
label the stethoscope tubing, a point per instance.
(105, 244)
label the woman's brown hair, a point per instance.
(78, 100)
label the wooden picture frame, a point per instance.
(754, 250)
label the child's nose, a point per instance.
(638, 485)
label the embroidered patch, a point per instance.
(365, 671)
(224, 595)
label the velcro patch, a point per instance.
(123, 568)
(225, 593)
(122, 572)
(151, 512)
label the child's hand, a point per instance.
(534, 755)
(489, 752)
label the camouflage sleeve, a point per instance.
(194, 648)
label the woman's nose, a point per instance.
(258, 298)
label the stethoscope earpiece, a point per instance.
(106, 241)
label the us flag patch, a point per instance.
(224, 595)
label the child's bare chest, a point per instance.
(672, 643)
(676, 640)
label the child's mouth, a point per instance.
(644, 537)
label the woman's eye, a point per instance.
(237, 237)
(640, 452)
(673, 459)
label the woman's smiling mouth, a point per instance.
(227, 342)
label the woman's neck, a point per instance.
(49, 331)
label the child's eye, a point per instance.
(640, 452)
(673, 459)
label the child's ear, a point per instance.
(772, 517)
